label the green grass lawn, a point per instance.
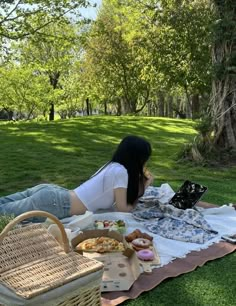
(67, 152)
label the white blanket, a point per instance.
(222, 220)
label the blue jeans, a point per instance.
(47, 197)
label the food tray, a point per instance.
(113, 225)
(147, 266)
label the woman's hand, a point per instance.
(148, 178)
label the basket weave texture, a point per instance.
(32, 262)
(88, 296)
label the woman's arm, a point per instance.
(121, 194)
(121, 200)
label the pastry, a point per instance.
(137, 234)
(145, 255)
(141, 243)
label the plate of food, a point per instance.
(100, 245)
(114, 225)
(142, 243)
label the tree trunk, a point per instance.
(223, 96)
(87, 106)
(169, 107)
(149, 109)
(119, 108)
(90, 108)
(127, 106)
(51, 112)
(224, 113)
(105, 107)
(188, 105)
(54, 78)
(195, 106)
(161, 104)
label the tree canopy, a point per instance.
(16, 15)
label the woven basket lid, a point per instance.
(33, 262)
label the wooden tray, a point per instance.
(147, 265)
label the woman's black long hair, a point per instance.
(133, 152)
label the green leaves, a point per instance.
(142, 47)
(132, 51)
(15, 15)
(24, 90)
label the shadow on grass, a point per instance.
(206, 286)
(67, 152)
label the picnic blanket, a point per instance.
(179, 266)
(178, 257)
(175, 232)
(222, 220)
(180, 251)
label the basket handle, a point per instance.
(33, 213)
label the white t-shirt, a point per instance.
(98, 192)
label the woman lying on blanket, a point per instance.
(119, 183)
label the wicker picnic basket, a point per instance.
(36, 270)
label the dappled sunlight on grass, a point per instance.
(68, 152)
(198, 288)
(42, 150)
(66, 149)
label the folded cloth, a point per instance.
(148, 214)
(179, 230)
(173, 223)
(160, 194)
